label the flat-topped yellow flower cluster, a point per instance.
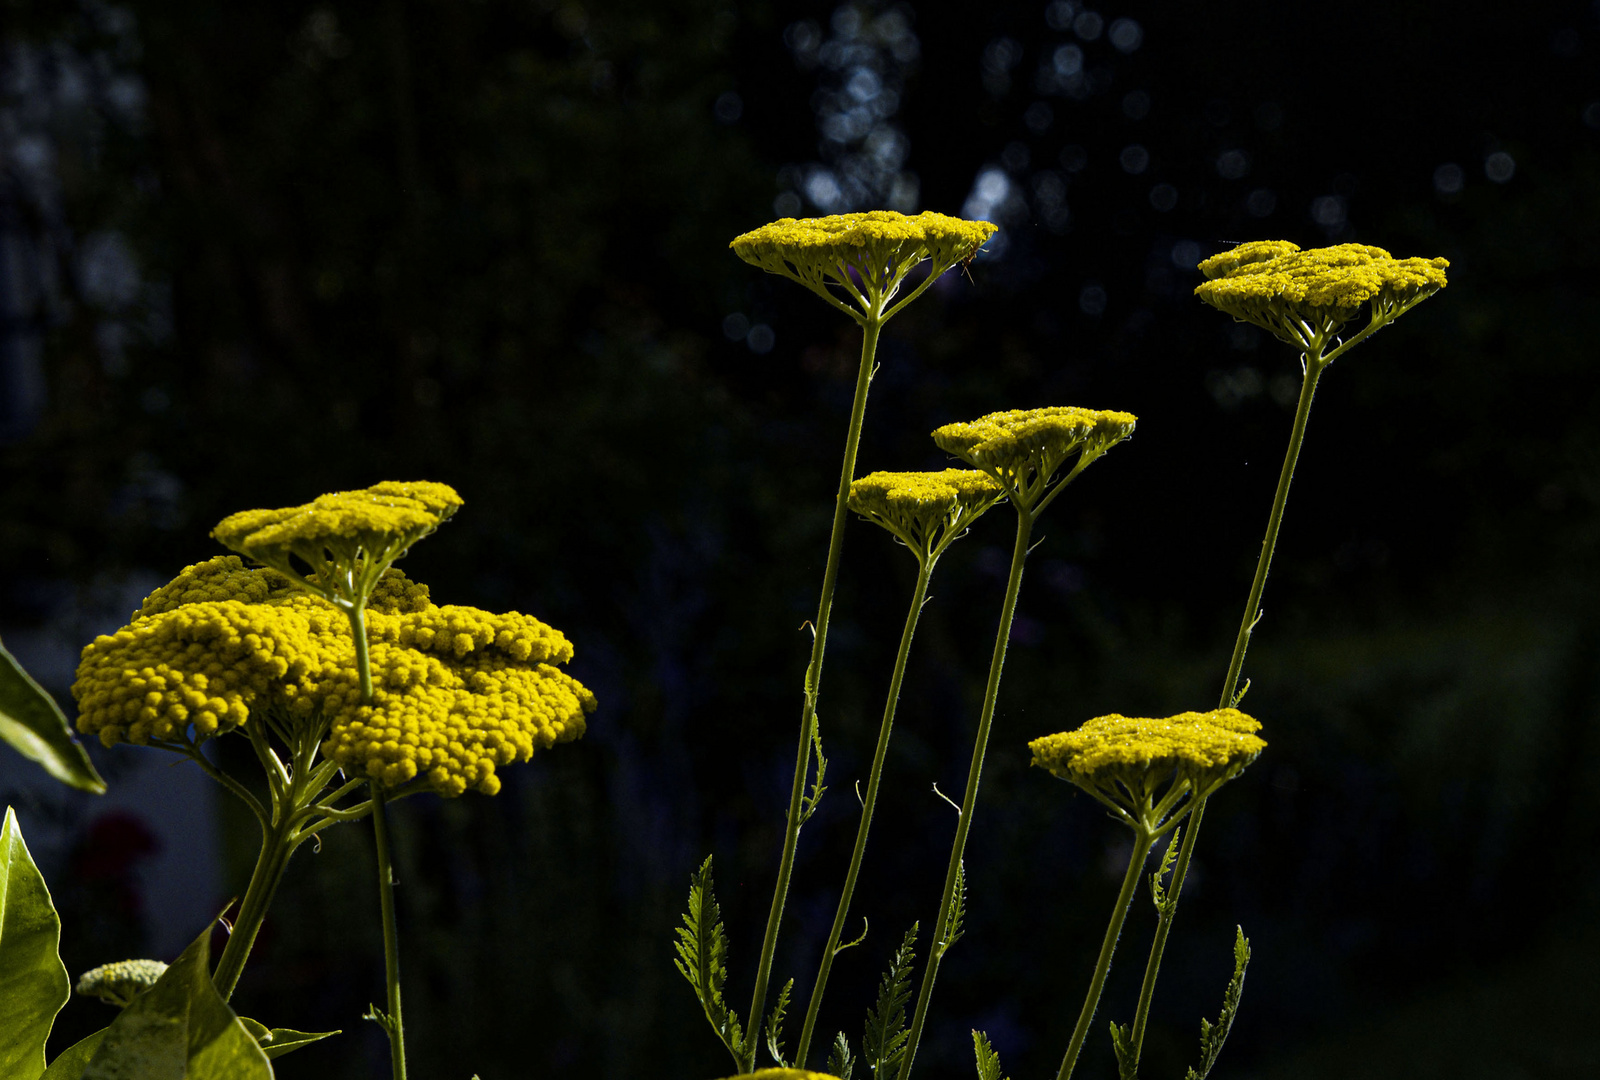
(784, 1074)
(1022, 448)
(458, 690)
(925, 509)
(1197, 744)
(1304, 296)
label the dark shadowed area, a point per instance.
(252, 252)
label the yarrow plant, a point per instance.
(1153, 775)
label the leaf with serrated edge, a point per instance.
(33, 981)
(180, 1029)
(775, 1025)
(32, 722)
(988, 1059)
(70, 1063)
(841, 1062)
(886, 1035)
(702, 959)
(1212, 1036)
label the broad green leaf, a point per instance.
(33, 981)
(276, 1042)
(71, 1062)
(32, 722)
(180, 1029)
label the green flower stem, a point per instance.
(1130, 882)
(358, 629)
(1314, 366)
(871, 325)
(391, 938)
(1019, 555)
(276, 847)
(832, 949)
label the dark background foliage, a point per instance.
(259, 251)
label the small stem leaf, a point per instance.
(988, 1059)
(32, 722)
(33, 981)
(1212, 1036)
(958, 911)
(702, 948)
(1122, 1045)
(775, 1025)
(886, 1035)
(1158, 893)
(841, 1062)
(808, 804)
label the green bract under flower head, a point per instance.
(1304, 297)
(119, 983)
(1023, 448)
(867, 255)
(458, 691)
(1124, 760)
(346, 538)
(928, 510)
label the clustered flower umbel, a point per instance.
(1110, 756)
(457, 691)
(874, 250)
(119, 983)
(1022, 448)
(1304, 297)
(925, 509)
(784, 1074)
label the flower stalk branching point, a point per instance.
(857, 263)
(1025, 451)
(927, 512)
(1149, 773)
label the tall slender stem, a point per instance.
(276, 847)
(1130, 881)
(808, 711)
(391, 937)
(829, 951)
(1019, 555)
(1314, 365)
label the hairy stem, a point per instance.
(829, 951)
(808, 711)
(1130, 882)
(1019, 555)
(391, 936)
(1314, 365)
(277, 845)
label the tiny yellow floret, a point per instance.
(119, 983)
(1304, 297)
(927, 510)
(1023, 448)
(784, 1074)
(867, 255)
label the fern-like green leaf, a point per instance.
(886, 1035)
(808, 803)
(988, 1059)
(1212, 1036)
(958, 912)
(775, 1025)
(841, 1062)
(1158, 892)
(703, 959)
(1122, 1045)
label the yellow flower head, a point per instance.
(457, 691)
(1123, 760)
(880, 247)
(928, 510)
(347, 538)
(1304, 297)
(784, 1074)
(1023, 448)
(119, 983)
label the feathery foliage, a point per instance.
(988, 1059)
(958, 911)
(841, 1062)
(1158, 893)
(775, 1025)
(703, 959)
(1212, 1036)
(886, 1035)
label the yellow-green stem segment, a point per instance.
(1314, 366)
(924, 572)
(1019, 555)
(275, 851)
(871, 326)
(1130, 882)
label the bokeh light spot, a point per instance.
(1135, 159)
(1499, 166)
(1163, 197)
(1449, 178)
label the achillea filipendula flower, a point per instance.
(927, 510)
(118, 984)
(784, 1074)
(1304, 297)
(1022, 448)
(345, 537)
(457, 691)
(880, 246)
(1204, 748)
